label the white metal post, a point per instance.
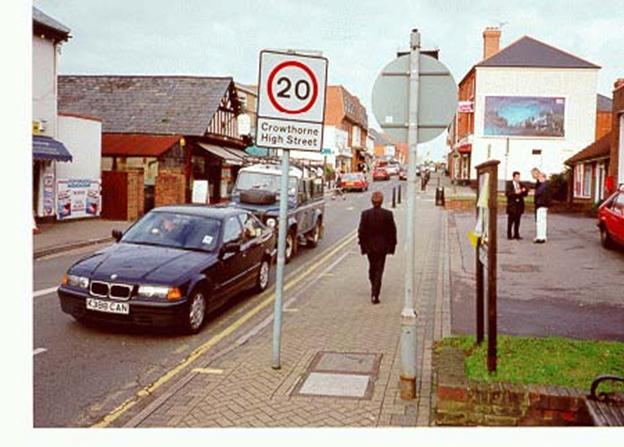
(281, 260)
(408, 315)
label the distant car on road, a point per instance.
(380, 174)
(402, 173)
(171, 267)
(354, 181)
(393, 168)
(611, 220)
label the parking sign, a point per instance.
(291, 101)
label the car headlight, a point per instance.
(271, 222)
(171, 293)
(81, 282)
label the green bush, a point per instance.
(559, 186)
(329, 172)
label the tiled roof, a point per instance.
(530, 52)
(381, 139)
(136, 145)
(43, 19)
(604, 103)
(598, 149)
(165, 105)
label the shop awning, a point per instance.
(47, 148)
(137, 145)
(465, 149)
(226, 154)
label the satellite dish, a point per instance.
(244, 124)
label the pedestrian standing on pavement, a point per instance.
(515, 193)
(377, 239)
(542, 202)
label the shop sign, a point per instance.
(48, 194)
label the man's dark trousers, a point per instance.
(376, 263)
(513, 221)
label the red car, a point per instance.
(611, 220)
(354, 181)
(380, 174)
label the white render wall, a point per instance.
(83, 139)
(577, 86)
(44, 59)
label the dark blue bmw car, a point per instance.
(172, 267)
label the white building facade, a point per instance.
(574, 88)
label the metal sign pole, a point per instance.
(281, 260)
(408, 316)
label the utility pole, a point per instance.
(408, 315)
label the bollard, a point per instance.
(439, 196)
(393, 197)
(399, 195)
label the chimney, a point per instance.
(618, 84)
(491, 41)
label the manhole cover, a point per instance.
(336, 385)
(519, 268)
(340, 374)
(347, 362)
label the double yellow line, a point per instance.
(267, 298)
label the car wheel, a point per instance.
(196, 313)
(605, 239)
(263, 276)
(291, 242)
(315, 235)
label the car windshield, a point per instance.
(169, 229)
(264, 182)
(352, 177)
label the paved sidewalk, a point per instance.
(61, 236)
(329, 313)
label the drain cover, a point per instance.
(337, 385)
(340, 374)
(519, 268)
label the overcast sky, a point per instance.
(223, 38)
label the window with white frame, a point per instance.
(587, 179)
(355, 137)
(578, 180)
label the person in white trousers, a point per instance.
(542, 202)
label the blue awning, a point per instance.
(47, 148)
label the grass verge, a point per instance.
(543, 361)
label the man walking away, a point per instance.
(377, 238)
(515, 193)
(542, 202)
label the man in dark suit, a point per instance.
(377, 238)
(515, 193)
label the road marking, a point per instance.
(268, 296)
(39, 351)
(43, 292)
(290, 310)
(207, 371)
(350, 208)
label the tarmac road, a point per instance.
(83, 372)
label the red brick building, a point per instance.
(345, 112)
(616, 170)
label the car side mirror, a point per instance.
(231, 247)
(117, 234)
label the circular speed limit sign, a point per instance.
(292, 87)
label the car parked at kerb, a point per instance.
(171, 268)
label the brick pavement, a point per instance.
(330, 312)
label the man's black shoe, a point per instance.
(518, 237)
(376, 301)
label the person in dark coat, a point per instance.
(377, 239)
(515, 193)
(542, 202)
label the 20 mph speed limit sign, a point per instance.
(291, 101)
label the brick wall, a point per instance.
(170, 188)
(135, 194)
(460, 401)
(603, 124)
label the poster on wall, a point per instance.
(524, 116)
(77, 198)
(48, 194)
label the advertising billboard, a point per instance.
(524, 116)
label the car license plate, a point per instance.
(110, 307)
